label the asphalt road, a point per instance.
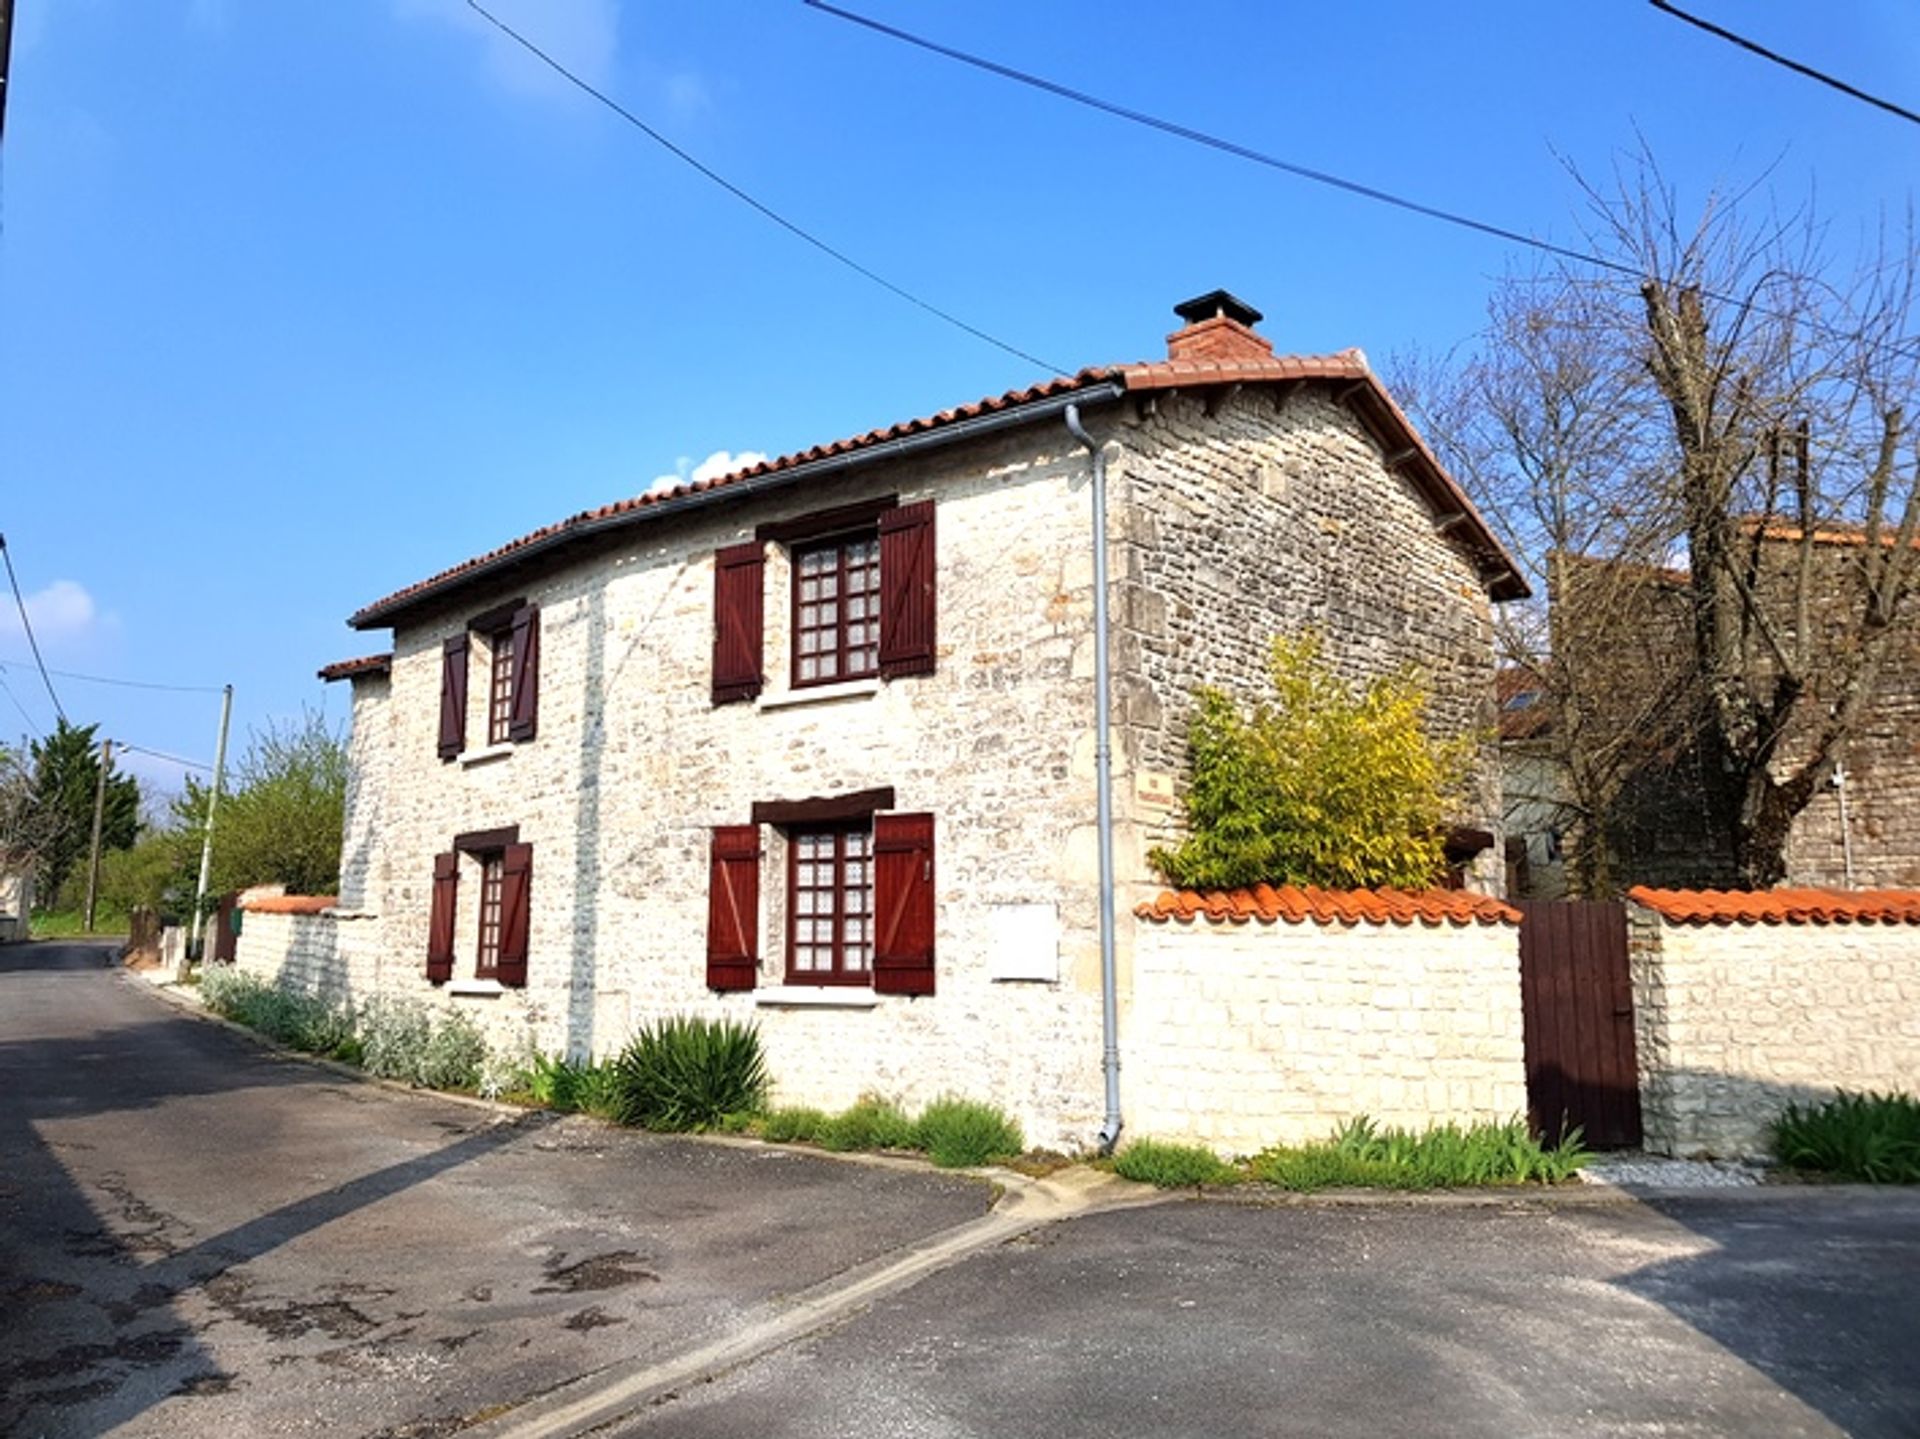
(1703, 1317)
(199, 1237)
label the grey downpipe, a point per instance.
(1102, 759)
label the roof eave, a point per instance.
(386, 613)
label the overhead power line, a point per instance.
(1794, 65)
(32, 728)
(162, 754)
(1215, 142)
(764, 209)
(1274, 162)
(124, 684)
(27, 625)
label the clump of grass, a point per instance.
(1868, 1138)
(600, 1090)
(960, 1133)
(1362, 1155)
(794, 1124)
(1172, 1166)
(871, 1123)
(685, 1073)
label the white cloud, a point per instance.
(583, 35)
(62, 611)
(720, 462)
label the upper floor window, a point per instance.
(836, 610)
(509, 696)
(863, 598)
(500, 691)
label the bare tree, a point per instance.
(1706, 459)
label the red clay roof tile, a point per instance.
(350, 669)
(1377, 410)
(1328, 906)
(1781, 906)
(290, 904)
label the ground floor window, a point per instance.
(830, 905)
(493, 870)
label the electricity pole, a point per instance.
(213, 798)
(99, 811)
(6, 57)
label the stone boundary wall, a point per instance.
(1734, 1021)
(332, 953)
(1245, 1035)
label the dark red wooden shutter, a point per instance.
(906, 590)
(738, 602)
(733, 908)
(446, 892)
(453, 697)
(524, 720)
(516, 882)
(903, 903)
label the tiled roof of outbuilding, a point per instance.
(364, 665)
(1328, 906)
(1781, 906)
(1213, 352)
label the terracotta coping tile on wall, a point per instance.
(291, 904)
(1781, 906)
(1328, 906)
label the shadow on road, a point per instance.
(1808, 1290)
(89, 1280)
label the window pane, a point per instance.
(829, 666)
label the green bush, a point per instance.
(686, 1072)
(1870, 1138)
(396, 1034)
(453, 1055)
(1328, 784)
(793, 1125)
(960, 1133)
(1361, 1155)
(1172, 1166)
(871, 1123)
(289, 1017)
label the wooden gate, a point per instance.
(1578, 1000)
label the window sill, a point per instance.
(472, 757)
(822, 996)
(821, 694)
(476, 988)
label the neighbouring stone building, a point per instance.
(1641, 713)
(814, 743)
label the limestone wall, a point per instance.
(1733, 1021)
(1246, 1035)
(332, 954)
(1270, 516)
(633, 765)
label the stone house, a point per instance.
(813, 743)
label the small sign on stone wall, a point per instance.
(1023, 943)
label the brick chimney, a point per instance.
(1219, 327)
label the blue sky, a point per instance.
(300, 303)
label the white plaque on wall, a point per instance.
(1023, 942)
